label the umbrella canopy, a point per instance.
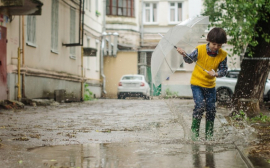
(165, 58)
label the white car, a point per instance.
(225, 86)
(133, 86)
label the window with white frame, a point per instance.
(54, 25)
(31, 30)
(175, 12)
(72, 31)
(150, 12)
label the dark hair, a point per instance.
(217, 35)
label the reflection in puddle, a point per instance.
(125, 155)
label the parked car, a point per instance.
(133, 86)
(225, 86)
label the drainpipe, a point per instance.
(19, 75)
(23, 76)
(19, 64)
(102, 61)
(19, 96)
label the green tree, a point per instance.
(247, 24)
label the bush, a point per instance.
(88, 95)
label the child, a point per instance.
(211, 58)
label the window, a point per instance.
(175, 12)
(150, 13)
(120, 8)
(54, 26)
(72, 31)
(31, 30)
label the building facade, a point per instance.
(64, 44)
(49, 48)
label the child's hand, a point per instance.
(181, 51)
(212, 73)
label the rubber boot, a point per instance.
(195, 128)
(209, 130)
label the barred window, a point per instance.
(120, 8)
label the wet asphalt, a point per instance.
(111, 133)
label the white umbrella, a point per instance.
(165, 58)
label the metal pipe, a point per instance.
(82, 22)
(19, 75)
(23, 42)
(19, 63)
(109, 44)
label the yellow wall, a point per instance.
(116, 67)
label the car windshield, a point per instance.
(132, 78)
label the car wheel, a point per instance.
(146, 97)
(224, 95)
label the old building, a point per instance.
(44, 50)
(64, 46)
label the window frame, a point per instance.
(175, 13)
(151, 22)
(31, 30)
(131, 8)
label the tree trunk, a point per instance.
(253, 74)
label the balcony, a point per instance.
(20, 7)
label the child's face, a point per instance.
(214, 46)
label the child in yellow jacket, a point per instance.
(211, 63)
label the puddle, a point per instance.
(125, 155)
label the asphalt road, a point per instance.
(110, 133)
